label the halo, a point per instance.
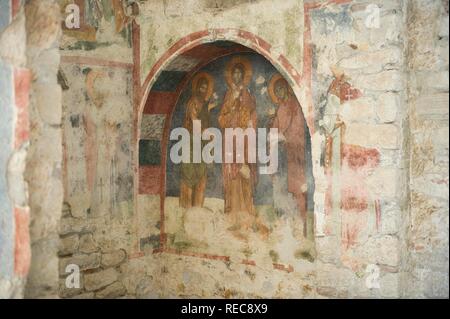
(271, 88)
(91, 77)
(208, 78)
(248, 71)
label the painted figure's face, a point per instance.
(281, 90)
(238, 74)
(202, 88)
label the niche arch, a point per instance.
(188, 56)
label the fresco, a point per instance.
(103, 23)
(97, 137)
(231, 209)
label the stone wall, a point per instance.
(97, 229)
(426, 247)
(163, 23)
(360, 232)
(30, 157)
(360, 184)
(15, 80)
(43, 172)
(379, 152)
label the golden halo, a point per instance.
(271, 88)
(248, 71)
(208, 78)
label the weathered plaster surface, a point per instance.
(14, 206)
(163, 23)
(379, 150)
(426, 246)
(44, 160)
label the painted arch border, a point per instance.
(300, 83)
(247, 39)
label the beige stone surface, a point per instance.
(393, 216)
(100, 279)
(383, 135)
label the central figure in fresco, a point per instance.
(239, 179)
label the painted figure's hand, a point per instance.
(212, 105)
(271, 111)
(236, 94)
(281, 137)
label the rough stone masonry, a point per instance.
(85, 179)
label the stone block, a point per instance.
(432, 106)
(384, 182)
(66, 292)
(112, 291)
(43, 276)
(360, 110)
(100, 279)
(75, 225)
(437, 285)
(387, 107)
(366, 60)
(85, 262)
(437, 80)
(48, 99)
(87, 244)
(382, 136)
(390, 80)
(390, 218)
(382, 250)
(69, 245)
(87, 295)
(389, 285)
(113, 258)
(328, 249)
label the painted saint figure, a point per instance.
(239, 111)
(194, 175)
(290, 123)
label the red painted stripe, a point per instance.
(282, 267)
(249, 262)
(22, 250)
(15, 7)
(22, 82)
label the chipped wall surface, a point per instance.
(44, 160)
(96, 229)
(164, 23)
(30, 161)
(426, 244)
(14, 136)
(104, 32)
(379, 204)
(364, 65)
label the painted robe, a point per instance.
(291, 124)
(238, 112)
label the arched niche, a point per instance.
(160, 219)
